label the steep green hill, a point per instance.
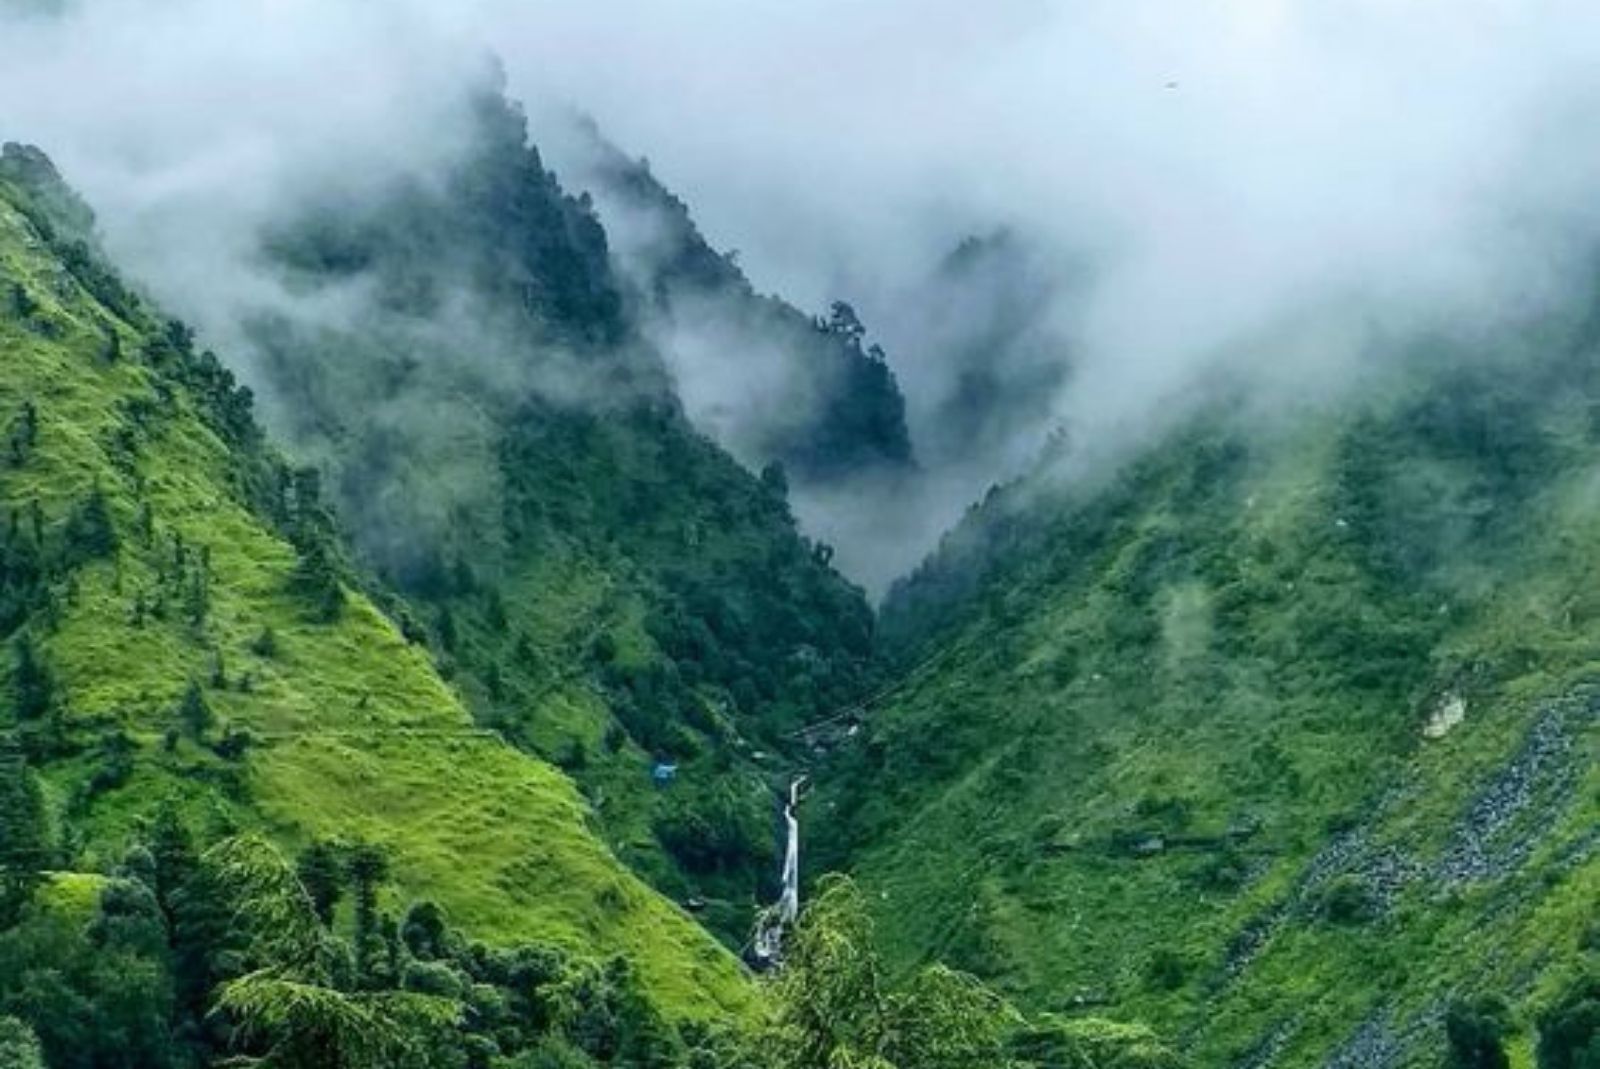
(181, 628)
(607, 587)
(1282, 737)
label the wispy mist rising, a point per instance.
(1265, 188)
(1213, 168)
(191, 126)
(1178, 180)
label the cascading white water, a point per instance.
(789, 901)
(767, 945)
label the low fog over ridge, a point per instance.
(1172, 182)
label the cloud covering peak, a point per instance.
(1185, 179)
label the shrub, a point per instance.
(115, 762)
(234, 744)
(433, 978)
(1569, 1032)
(265, 645)
(1167, 970)
(1475, 1033)
(1224, 871)
(193, 712)
(1348, 900)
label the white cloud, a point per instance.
(1210, 170)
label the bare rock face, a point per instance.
(1449, 711)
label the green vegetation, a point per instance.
(246, 812)
(605, 586)
(19, 1047)
(837, 1005)
(1275, 739)
(1569, 1032)
(190, 957)
(1476, 1033)
(181, 627)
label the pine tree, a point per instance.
(447, 629)
(368, 867)
(25, 434)
(265, 645)
(24, 846)
(775, 480)
(1569, 1031)
(319, 869)
(838, 1007)
(19, 1047)
(33, 686)
(193, 906)
(197, 598)
(22, 303)
(316, 580)
(1475, 1034)
(91, 533)
(643, 1037)
(291, 1003)
(496, 612)
(193, 711)
(175, 861)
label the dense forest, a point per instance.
(607, 588)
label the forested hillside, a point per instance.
(245, 820)
(189, 660)
(1281, 734)
(609, 588)
(771, 383)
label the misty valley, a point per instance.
(847, 536)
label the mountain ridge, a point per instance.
(1276, 737)
(183, 580)
(607, 586)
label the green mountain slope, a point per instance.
(201, 692)
(1282, 738)
(183, 630)
(607, 587)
